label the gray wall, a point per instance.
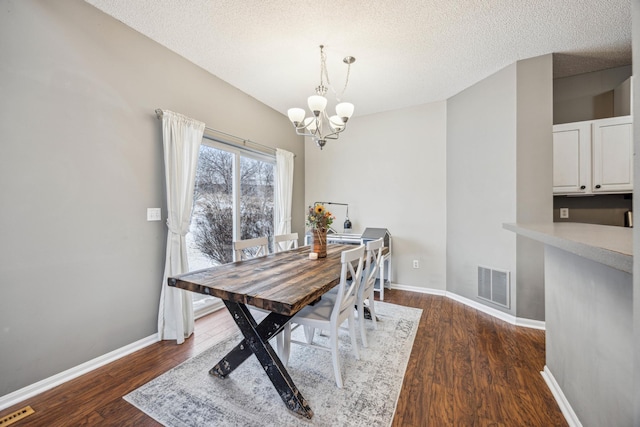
(80, 161)
(534, 177)
(499, 159)
(390, 169)
(604, 209)
(481, 181)
(587, 96)
(589, 346)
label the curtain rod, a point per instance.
(269, 150)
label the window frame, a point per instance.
(209, 305)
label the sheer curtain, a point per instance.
(181, 138)
(283, 191)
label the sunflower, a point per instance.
(319, 217)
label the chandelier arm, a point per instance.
(299, 131)
(304, 134)
(302, 126)
(332, 135)
(321, 121)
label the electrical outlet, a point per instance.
(416, 263)
(154, 214)
(564, 213)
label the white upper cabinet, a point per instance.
(572, 158)
(595, 156)
(613, 155)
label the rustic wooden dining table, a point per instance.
(282, 283)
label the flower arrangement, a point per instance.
(319, 218)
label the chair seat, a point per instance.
(320, 311)
(334, 291)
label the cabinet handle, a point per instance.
(598, 186)
(582, 187)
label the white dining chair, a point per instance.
(329, 313)
(250, 248)
(285, 242)
(365, 291)
(373, 259)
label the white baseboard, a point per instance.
(530, 323)
(527, 323)
(53, 381)
(483, 308)
(558, 394)
(417, 289)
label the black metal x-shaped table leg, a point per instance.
(256, 341)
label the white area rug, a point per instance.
(188, 396)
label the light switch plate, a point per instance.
(154, 214)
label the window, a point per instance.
(256, 199)
(233, 198)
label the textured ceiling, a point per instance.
(407, 52)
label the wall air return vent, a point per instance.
(494, 286)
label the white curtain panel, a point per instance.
(283, 191)
(181, 138)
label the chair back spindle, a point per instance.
(250, 248)
(285, 242)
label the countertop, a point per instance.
(608, 245)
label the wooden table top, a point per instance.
(283, 282)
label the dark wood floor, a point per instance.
(466, 369)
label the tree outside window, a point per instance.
(212, 221)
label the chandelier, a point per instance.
(319, 125)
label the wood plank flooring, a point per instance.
(469, 369)
(466, 369)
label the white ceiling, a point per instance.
(408, 52)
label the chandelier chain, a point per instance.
(324, 75)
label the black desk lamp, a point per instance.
(347, 222)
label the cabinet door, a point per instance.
(613, 154)
(572, 158)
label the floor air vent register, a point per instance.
(494, 286)
(16, 416)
